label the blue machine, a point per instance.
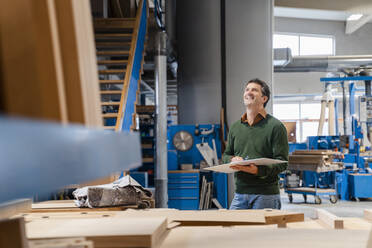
(354, 181)
(182, 149)
(191, 155)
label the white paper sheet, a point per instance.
(225, 168)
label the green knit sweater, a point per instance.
(266, 139)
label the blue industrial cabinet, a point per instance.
(360, 185)
(183, 189)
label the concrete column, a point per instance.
(249, 30)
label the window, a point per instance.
(302, 45)
(287, 41)
(306, 116)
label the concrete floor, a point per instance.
(340, 208)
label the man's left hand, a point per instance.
(251, 168)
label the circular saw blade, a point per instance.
(183, 141)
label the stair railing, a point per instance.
(132, 75)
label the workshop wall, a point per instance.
(358, 43)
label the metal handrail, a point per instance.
(128, 97)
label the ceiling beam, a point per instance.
(355, 6)
(352, 26)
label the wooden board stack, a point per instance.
(314, 160)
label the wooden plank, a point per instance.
(69, 205)
(117, 35)
(79, 62)
(12, 233)
(110, 92)
(54, 204)
(46, 211)
(11, 208)
(329, 219)
(68, 214)
(110, 115)
(111, 81)
(221, 217)
(311, 190)
(104, 232)
(31, 75)
(147, 160)
(100, 23)
(315, 152)
(146, 146)
(145, 108)
(116, 71)
(101, 53)
(220, 237)
(109, 127)
(282, 218)
(217, 203)
(61, 243)
(112, 44)
(109, 103)
(112, 62)
(306, 159)
(307, 224)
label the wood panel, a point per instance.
(11, 208)
(61, 243)
(104, 232)
(49, 68)
(32, 76)
(79, 62)
(243, 236)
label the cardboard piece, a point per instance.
(225, 168)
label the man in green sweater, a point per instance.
(256, 135)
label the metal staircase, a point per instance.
(120, 49)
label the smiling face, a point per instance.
(253, 96)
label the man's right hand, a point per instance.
(237, 158)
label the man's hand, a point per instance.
(237, 158)
(251, 168)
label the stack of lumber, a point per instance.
(314, 160)
(206, 194)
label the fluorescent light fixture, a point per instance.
(354, 17)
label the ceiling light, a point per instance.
(354, 17)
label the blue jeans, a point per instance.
(249, 201)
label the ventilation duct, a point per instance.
(284, 62)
